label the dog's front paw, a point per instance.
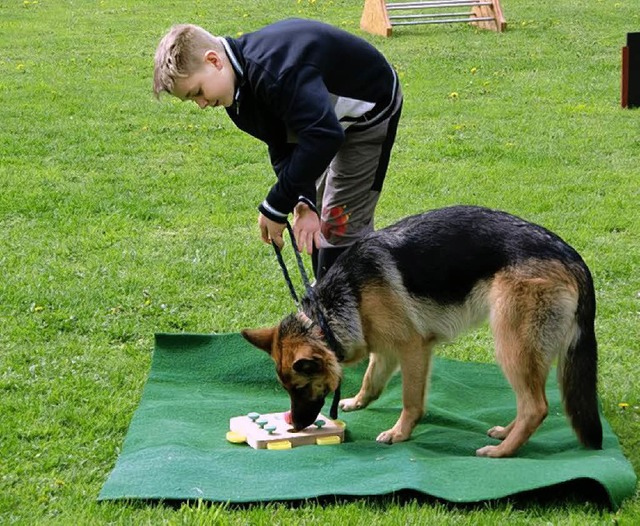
(391, 436)
(351, 404)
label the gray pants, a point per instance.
(348, 192)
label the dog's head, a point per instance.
(306, 367)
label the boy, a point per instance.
(325, 102)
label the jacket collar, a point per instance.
(236, 62)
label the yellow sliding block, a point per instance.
(280, 444)
(328, 441)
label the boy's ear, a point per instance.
(213, 58)
(260, 338)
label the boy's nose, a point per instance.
(202, 102)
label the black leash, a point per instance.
(322, 321)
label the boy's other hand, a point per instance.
(271, 231)
(306, 227)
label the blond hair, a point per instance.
(179, 54)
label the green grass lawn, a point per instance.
(121, 216)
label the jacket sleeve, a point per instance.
(302, 99)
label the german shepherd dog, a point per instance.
(399, 291)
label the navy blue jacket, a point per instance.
(301, 84)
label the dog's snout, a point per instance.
(305, 412)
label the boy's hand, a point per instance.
(306, 227)
(271, 231)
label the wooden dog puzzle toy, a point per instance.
(272, 431)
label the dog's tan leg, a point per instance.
(518, 318)
(381, 367)
(415, 363)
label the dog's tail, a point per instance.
(578, 371)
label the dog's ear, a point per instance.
(260, 338)
(307, 367)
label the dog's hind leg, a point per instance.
(415, 364)
(528, 380)
(500, 432)
(381, 367)
(527, 326)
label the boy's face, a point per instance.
(210, 86)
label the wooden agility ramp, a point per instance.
(379, 17)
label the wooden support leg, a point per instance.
(375, 18)
(498, 23)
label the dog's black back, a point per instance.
(442, 254)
